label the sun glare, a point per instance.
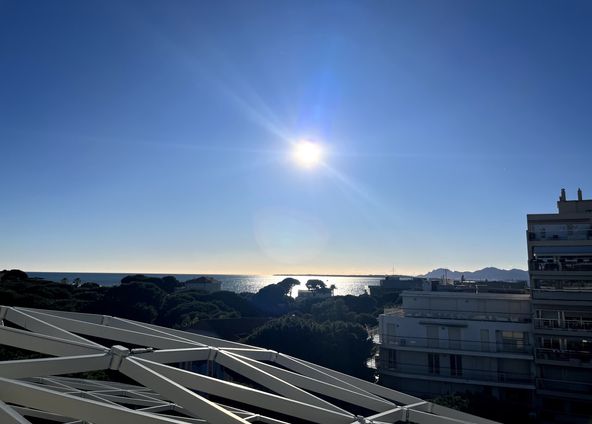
(307, 154)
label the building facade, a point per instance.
(443, 342)
(560, 268)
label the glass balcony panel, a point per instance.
(521, 347)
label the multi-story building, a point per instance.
(560, 267)
(443, 342)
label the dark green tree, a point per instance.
(339, 345)
(275, 299)
(315, 284)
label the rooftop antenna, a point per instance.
(562, 197)
(580, 194)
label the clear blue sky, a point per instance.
(155, 136)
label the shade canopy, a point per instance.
(173, 376)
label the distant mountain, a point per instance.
(489, 273)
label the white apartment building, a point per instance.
(560, 267)
(443, 342)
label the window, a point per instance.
(485, 340)
(432, 336)
(390, 336)
(455, 365)
(454, 338)
(391, 359)
(549, 342)
(511, 341)
(434, 363)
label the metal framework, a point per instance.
(181, 377)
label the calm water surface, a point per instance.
(236, 283)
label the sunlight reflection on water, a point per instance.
(237, 283)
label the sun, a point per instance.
(307, 154)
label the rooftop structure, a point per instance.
(179, 378)
(560, 268)
(396, 284)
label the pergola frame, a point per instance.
(285, 389)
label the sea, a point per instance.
(236, 283)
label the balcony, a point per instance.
(464, 374)
(467, 315)
(559, 266)
(562, 285)
(585, 234)
(564, 386)
(573, 357)
(567, 325)
(515, 347)
(575, 297)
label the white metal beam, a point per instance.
(41, 343)
(113, 333)
(282, 387)
(36, 413)
(294, 384)
(250, 396)
(318, 386)
(9, 416)
(54, 366)
(461, 416)
(34, 324)
(71, 406)
(421, 417)
(204, 340)
(169, 356)
(308, 368)
(135, 369)
(256, 354)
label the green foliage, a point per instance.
(330, 332)
(315, 284)
(387, 300)
(137, 301)
(168, 284)
(9, 353)
(363, 304)
(13, 275)
(48, 295)
(483, 404)
(454, 401)
(332, 310)
(177, 308)
(187, 314)
(367, 320)
(341, 308)
(338, 345)
(274, 298)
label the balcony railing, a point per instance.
(563, 285)
(463, 374)
(519, 346)
(468, 315)
(564, 386)
(574, 357)
(538, 265)
(568, 325)
(560, 235)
